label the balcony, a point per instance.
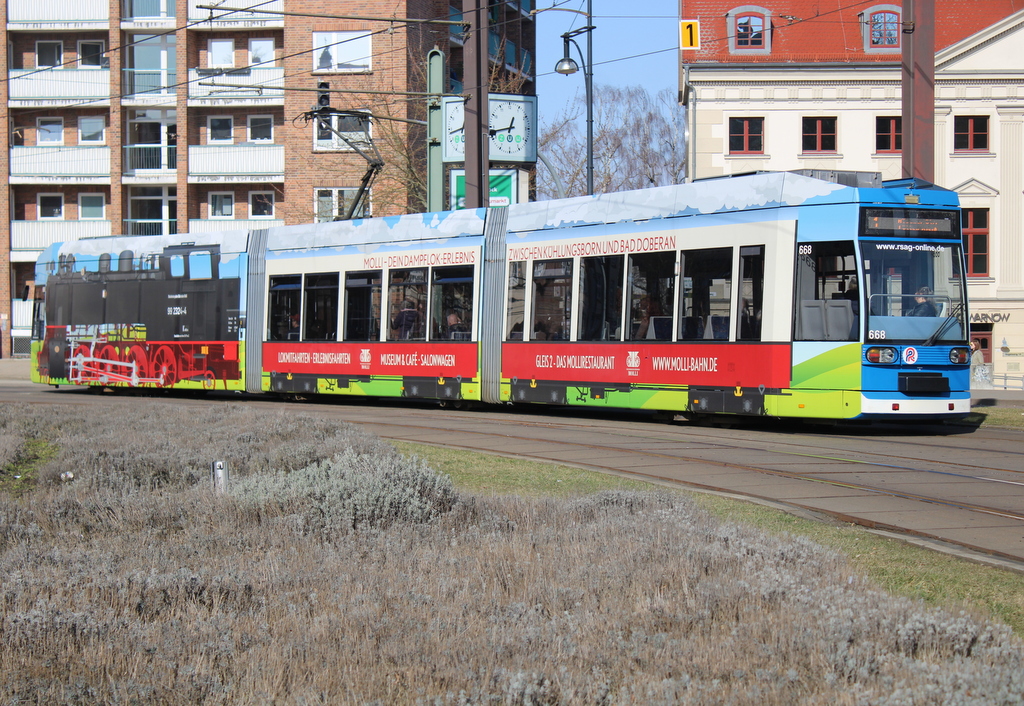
(260, 86)
(147, 14)
(30, 88)
(148, 87)
(149, 164)
(150, 226)
(29, 238)
(219, 225)
(51, 15)
(247, 163)
(222, 20)
(60, 165)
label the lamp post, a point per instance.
(567, 65)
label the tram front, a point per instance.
(916, 360)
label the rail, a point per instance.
(1010, 382)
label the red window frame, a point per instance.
(889, 134)
(975, 232)
(747, 37)
(820, 135)
(746, 140)
(884, 30)
(970, 133)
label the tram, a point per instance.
(819, 295)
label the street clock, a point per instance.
(512, 125)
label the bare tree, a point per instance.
(638, 143)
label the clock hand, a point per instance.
(510, 127)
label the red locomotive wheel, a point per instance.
(107, 360)
(165, 366)
(137, 355)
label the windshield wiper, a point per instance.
(953, 318)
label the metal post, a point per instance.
(477, 109)
(435, 130)
(918, 33)
(219, 476)
(589, 82)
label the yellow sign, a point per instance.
(689, 34)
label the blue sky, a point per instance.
(631, 47)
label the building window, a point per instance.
(341, 52)
(91, 207)
(970, 133)
(90, 54)
(220, 129)
(51, 206)
(749, 30)
(889, 134)
(333, 204)
(222, 204)
(49, 54)
(261, 128)
(261, 52)
(261, 204)
(883, 29)
(746, 135)
(50, 131)
(151, 64)
(819, 135)
(92, 129)
(221, 54)
(975, 235)
(331, 133)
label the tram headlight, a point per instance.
(881, 354)
(959, 356)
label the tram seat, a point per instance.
(838, 319)
(691, 328)
(811, 320)
(717, 328)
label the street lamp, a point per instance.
(567, 66)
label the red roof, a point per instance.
(816, 31)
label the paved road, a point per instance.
(957, 488)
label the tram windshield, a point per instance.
(915, 292)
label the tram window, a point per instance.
(826, 303)
(652, 283)
(283, 321)
(601, 298)
(705, 295)
(200, 265)
(451, 303)
(362, 306)
(407, 301)
(552, 300)
(321, 322)
(751, 300)
(516, 301)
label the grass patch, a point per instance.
(901, 568)
(1012, 417)
(19, 476)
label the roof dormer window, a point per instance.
(882, 28)
(749, 30)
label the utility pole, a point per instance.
(476, 85)
(435, 130)
(919, 89)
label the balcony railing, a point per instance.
(218, 225)
(222, 18)
(150, 226)
(39, 235)
(258, 82)
(59, 12)
(59, 85)
(50, 162)
(150, 82)
(138, 157)
(247, 159)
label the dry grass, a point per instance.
(136, 584)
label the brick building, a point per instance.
(813, 84)
(139, 117)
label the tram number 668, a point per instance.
(876, 335)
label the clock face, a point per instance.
(511, 129)
(455, 130)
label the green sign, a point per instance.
(503, 191)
